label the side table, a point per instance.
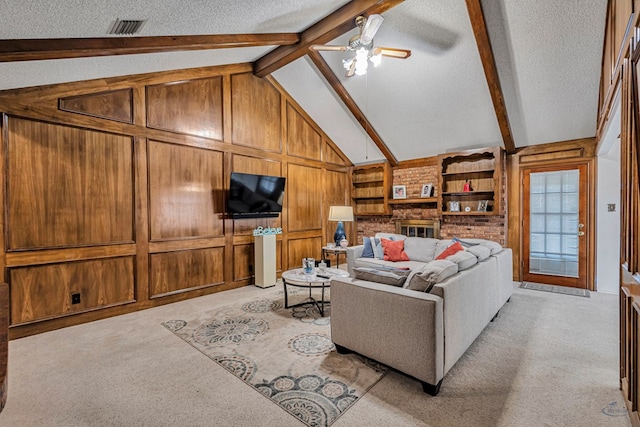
(337, 251)
(316, 280)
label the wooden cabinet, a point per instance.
(371, 188)
(630, 344)
(470, 179)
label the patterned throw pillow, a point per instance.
(456, 247)
(394, 250)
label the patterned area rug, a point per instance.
(285, 354)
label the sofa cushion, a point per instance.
(432, 273)
(420, 248)
(377, 263)
(464, 259)
(394, 277)
(455, 247)
(391, 236)
(394, 250)
(495, 247)
(481, 252)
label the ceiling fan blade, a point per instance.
(352, 69)
(370, 28)
(392, 52)
(319, 47)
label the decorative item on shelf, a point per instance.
(467, 186)
(483, 205)
(467, 209)
(340, 214)
(399, 192)
(344, 243)
(426, 190)
(454, 206)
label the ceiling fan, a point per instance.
(362, 45)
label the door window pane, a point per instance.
(553, 239)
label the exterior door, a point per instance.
(555, 225)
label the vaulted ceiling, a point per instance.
(482, 72)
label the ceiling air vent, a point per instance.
(126, 26)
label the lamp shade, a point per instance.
(341, 213)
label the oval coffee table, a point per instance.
(298, 278)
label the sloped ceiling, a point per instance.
(547, 54)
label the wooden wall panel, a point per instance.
(304, 184)
(330, 155)
(303, 248)
(186, 192)
(67, 186)
(302, 139)
(174, 272)
(193, 107)
(43, 292)
(141, 173)
(114, 105)
(255, 106)
(337, 193)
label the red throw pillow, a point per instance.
(456, 247)
(394, 250)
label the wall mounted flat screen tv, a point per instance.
(252, 196)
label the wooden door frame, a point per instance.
(590, 228)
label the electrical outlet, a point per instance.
(611, 207)
(75, 298)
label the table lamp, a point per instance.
(340, 214)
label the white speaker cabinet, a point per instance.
(265, 260)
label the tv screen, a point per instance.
(255, 194)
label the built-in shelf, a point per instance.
(371, 189)
(477, 172)
(415, 201)
(479, 169)
(468, 193)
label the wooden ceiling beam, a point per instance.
(36, 49)
(325, 30)
(479, 25)
(342, 93)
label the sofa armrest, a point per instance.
(398, 327)
(353, 252)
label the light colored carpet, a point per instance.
(547, 360)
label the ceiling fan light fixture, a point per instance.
(376, 59)
(362, 55)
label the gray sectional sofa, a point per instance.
(420, 333)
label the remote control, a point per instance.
(323, 276)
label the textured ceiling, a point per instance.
(548, 55)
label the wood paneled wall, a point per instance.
(621, 84)
(114, 190)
